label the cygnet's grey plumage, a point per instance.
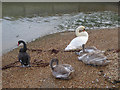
(93, 56)
(62, 71)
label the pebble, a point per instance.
(107, 87)
(80, 87)
(97, 80)
(107, 79)
(99, 73)
(104, 75)
(93, 81)
(40, 80)
(113, 82)
(60, 81)
(113, 86)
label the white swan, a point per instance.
(62, 71)
(79, 41)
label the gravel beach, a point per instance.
(43, 50)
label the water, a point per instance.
(28, 29)
(92, 20)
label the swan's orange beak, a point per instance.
(18, 44)
(83, 30)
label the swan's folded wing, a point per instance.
(94, 59)
(76, 43)
(68, 67)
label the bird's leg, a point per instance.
(28, 65)
(22, 65)
(83, 47)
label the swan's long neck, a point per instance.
(77, 32)
(51, 63)
(83, 33)
(24, 46)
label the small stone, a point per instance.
(113, 86)
(107, 79)
(97, 80)
(80, 87)
(93, 82)
(104, 75)
(112, 82)
(99, 73)
(107, 87)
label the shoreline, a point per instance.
(11, 49)
(85, 75)
(35, 27)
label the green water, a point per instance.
(92, 20)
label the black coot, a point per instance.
(23, 56)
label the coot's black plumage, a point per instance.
(23, 56)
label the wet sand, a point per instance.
(85, 76)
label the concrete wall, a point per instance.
(0, 9)
(50, 8)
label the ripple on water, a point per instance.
(32, 28)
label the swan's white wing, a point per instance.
(76, 43)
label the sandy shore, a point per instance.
(85, 76)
